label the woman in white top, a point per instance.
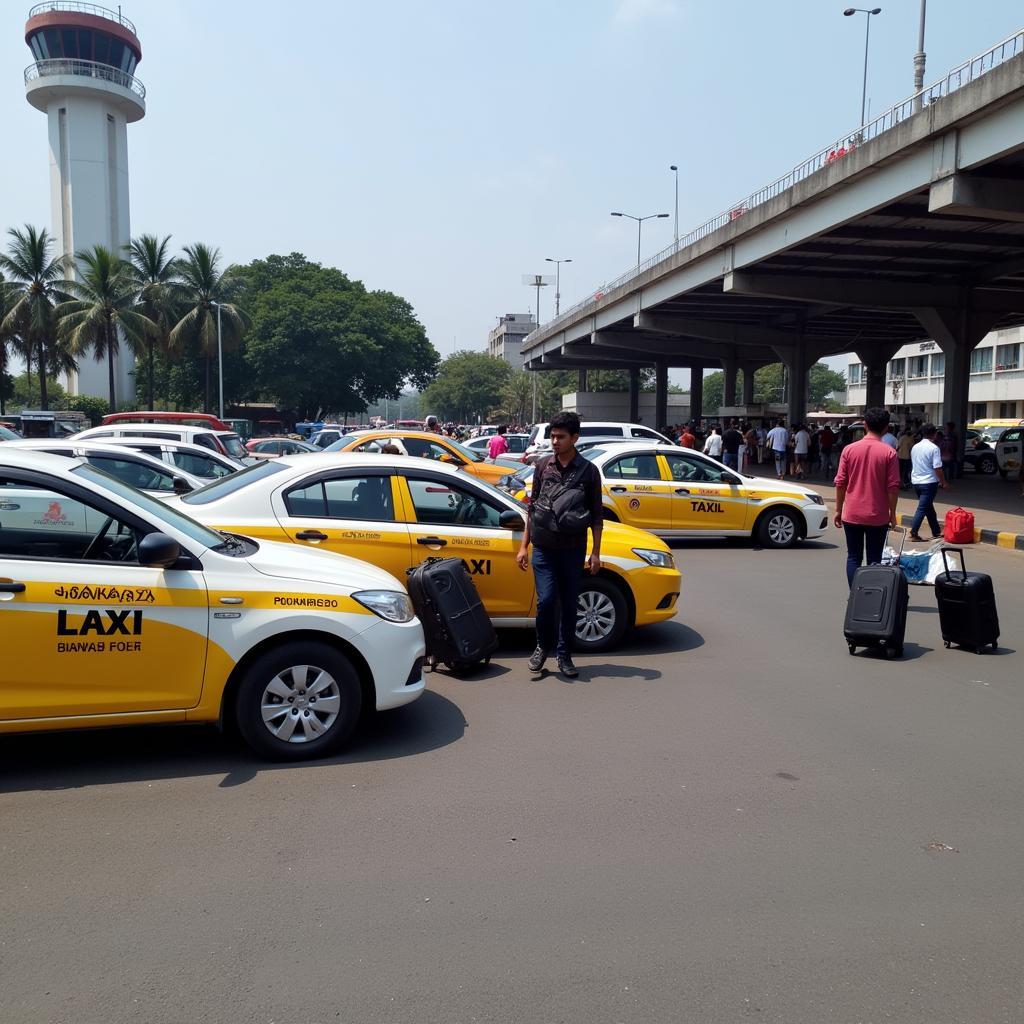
(713, 445)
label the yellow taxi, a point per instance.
(423, 444)
(117, 609)
(678, 492)
(395, 512)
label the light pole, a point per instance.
(220, 361)
(675, 171)
(848, 13)
(558, 280)
(919, 58)
(639, 226)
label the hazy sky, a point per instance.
(442, 150)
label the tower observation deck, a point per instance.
(83, 79)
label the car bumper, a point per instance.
(816, 517)
(394, 652)
(655, 593)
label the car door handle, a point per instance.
(12, 588)
(310, 535)
(619, 490)
(434, 542)
(682, 490)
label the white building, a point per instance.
(915, 381)
(83, 80)
(506, 340)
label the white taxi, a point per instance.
(116, 609)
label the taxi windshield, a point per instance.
(467, 453)
(505, 498)
(193, 530)
(229, 484)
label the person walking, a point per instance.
(801, 448)
(497, 445)
(826, 439)
(687, 439)
(867, 490)
(762, 439)
(927, 474)
(903, 451)
(713, 445)
(778, 441)
(731, 441)
(565, 504)
(949, 446)
(889, 438)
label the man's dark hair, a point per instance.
(876, 419)
(951, 425)
(928, 430)
(567, 421)
(503, 429)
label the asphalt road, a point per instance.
(731, 819)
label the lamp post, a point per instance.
(919, 58)
(220, 361)
(639, 226)
(558, 280)
(848, 13)
(675, 171)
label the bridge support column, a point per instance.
(875, 359)
(660, 394)
(748, 383)
(730, 366)
(581, 381)
(634, 394)
(696, 391)
(798, 363)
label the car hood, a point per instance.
(322, 568)
(630, 537)
(757, 483)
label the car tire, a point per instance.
(308, 725)
(986, 464)
(602, 616)
(777, 528)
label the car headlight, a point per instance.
(816, 498)
(662, 559)
(392, 605)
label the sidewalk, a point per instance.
(998, 511)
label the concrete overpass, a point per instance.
(908, 229)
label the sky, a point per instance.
(442, 150)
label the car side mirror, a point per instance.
(158, 551)
(451, 460)
(510, 519)
(182, 486)
(730, 479)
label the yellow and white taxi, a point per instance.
(397, 511)
(117, 609)
(678, 492)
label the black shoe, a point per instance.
(567, 668)
(537, 659)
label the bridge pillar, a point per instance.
(730, 366)
(875, 358)
(634, 394)
(748, 383)
(581, 381)
(798, 362)
(696, 391)
(660, 393)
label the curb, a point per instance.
(1001, 538)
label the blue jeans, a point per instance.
(926, 507)
(732, 460)
(857, 538)
(558, 574)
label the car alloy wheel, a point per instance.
(300, 704)
(595, 616)
(778, 529)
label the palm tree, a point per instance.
(204, 287)
(102, 308)
(38, 283)
(156, 277)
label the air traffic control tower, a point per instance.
(83, 80)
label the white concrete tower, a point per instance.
(83, 79)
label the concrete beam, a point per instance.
(711, 330)
(685, 349)
(973, 195)
(597, 357)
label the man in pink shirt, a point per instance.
(867, 489)
(497, 444)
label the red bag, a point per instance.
(959, 528)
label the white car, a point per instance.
(516, 446)
(1008, 451)
(126, 611)
(224, 442)
(131, 467)
(540, 436)
(192, 458)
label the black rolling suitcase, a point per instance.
(876, 612)
(456, 626)
(967, 606)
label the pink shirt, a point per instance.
(497, 446)
(869, 470)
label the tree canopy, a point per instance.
(468, 385)
(768, 386)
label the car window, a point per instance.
(233, 445)
(200, 465)
(633, 467)
(233, 482)
(686, 468)
(423, 448)
(645, 432)
(1010, 435)
(517, 444)
(162, 434)
(45, 522)
(596, 431)
(366, 498)
(207, 441)
(136, 474)
(444, 504)
(269, 448)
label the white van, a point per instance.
(225, 442)
(540, 437)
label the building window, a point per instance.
(897, 368)
(1007, 410)
(939, 364)
(854, 373)
(1008, 358)
(981, 360)
(918, 367)
(979, 411)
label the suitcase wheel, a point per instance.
(853, 648)
(947, 643)
(995, 645)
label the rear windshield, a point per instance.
(233, 445)
(235, 482)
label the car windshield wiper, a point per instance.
(230, 543)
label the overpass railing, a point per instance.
(957, 78)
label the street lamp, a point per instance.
(558, 279)
(849, 12)
(919, 58)
(220, 361)
(675, 171)
(639, 226)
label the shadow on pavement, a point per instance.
(102, 757)
(672, 637)
(601, 671)
(911, 652)
(684, 544)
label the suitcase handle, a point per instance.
(945, 561)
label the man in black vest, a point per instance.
(565, 503)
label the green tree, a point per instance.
(824, 381)
(203, 288)
(37, 283)
(155, 274)
(25, 392)
(93, 407)
(770, 384)
(468, 385)
(102, 310)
